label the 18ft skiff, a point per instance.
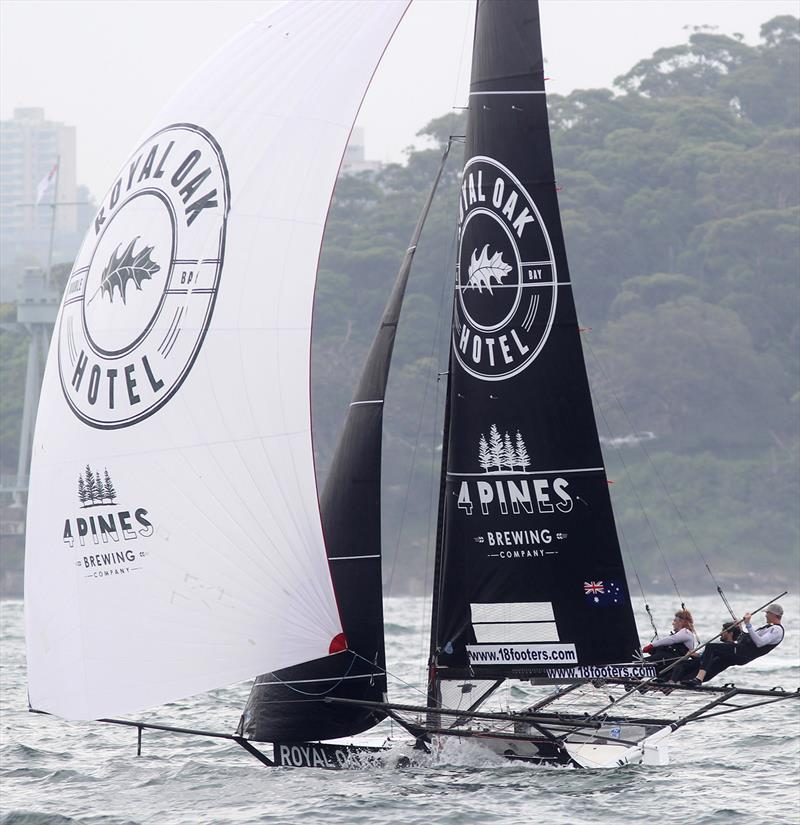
(175, 538)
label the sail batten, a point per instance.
(174, 538)
(529, 579)
(351, 515)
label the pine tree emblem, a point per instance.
(522, 457)
(93, 490)
(501, 452)
(83, 496)
(110, 492)
(508, 452)
(484, 454)
(496, 447)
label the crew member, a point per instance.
(682, 640)
(752, 644)
(688, 668)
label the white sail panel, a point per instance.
(173, 538)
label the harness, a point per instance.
(747, 650)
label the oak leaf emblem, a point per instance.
(126, 268)
(483, 270)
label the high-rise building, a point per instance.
(30, 146)
(354, 160)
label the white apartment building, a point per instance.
(30, 145)
(354, 160)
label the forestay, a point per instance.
(174, 541)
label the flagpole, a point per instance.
(53, 221)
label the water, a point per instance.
(737, 768)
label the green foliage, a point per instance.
(13, 358)
(741, 513)
(680, 200)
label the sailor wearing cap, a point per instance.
(752, 644)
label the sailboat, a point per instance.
(176, 540)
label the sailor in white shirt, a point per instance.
(681, 641)
(752, 644)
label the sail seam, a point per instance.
(531, 472)
(465, 287)
(511, 92)
(307, 681)
(514, 621)
(344, 558)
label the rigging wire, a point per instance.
(636, 493)
(630, 557)
(433, 512)
(663, 483)
(433, 353)
(469, 18)
(309, 693)
(387, 672)
(628, 550)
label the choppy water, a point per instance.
(741, 768)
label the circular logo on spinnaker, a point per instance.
(506, 287)
(141, 293)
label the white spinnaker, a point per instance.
(205, 564)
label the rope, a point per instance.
(629, 556)
(652, 622)
(628, 475)
(433, 512)
(629, 553)
(663, 485)
(308, 693)
(404, 510)
(607, 709)
(387, 672)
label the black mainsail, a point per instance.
(231, 579)
(529, 578)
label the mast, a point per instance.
(529, 578)
(289, 705)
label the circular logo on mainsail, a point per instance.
(506, 287)
(141, 293)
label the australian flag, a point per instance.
(603, 592)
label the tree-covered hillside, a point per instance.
(680, 199)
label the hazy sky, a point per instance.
(107, 66)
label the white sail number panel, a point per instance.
(517, 634)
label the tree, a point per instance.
(109, 491)
(92, 493)
(82, 494)
(522, 457)
(496, 447)
(692, 69)
(508, 452)
(688, 371)
(484, 456)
